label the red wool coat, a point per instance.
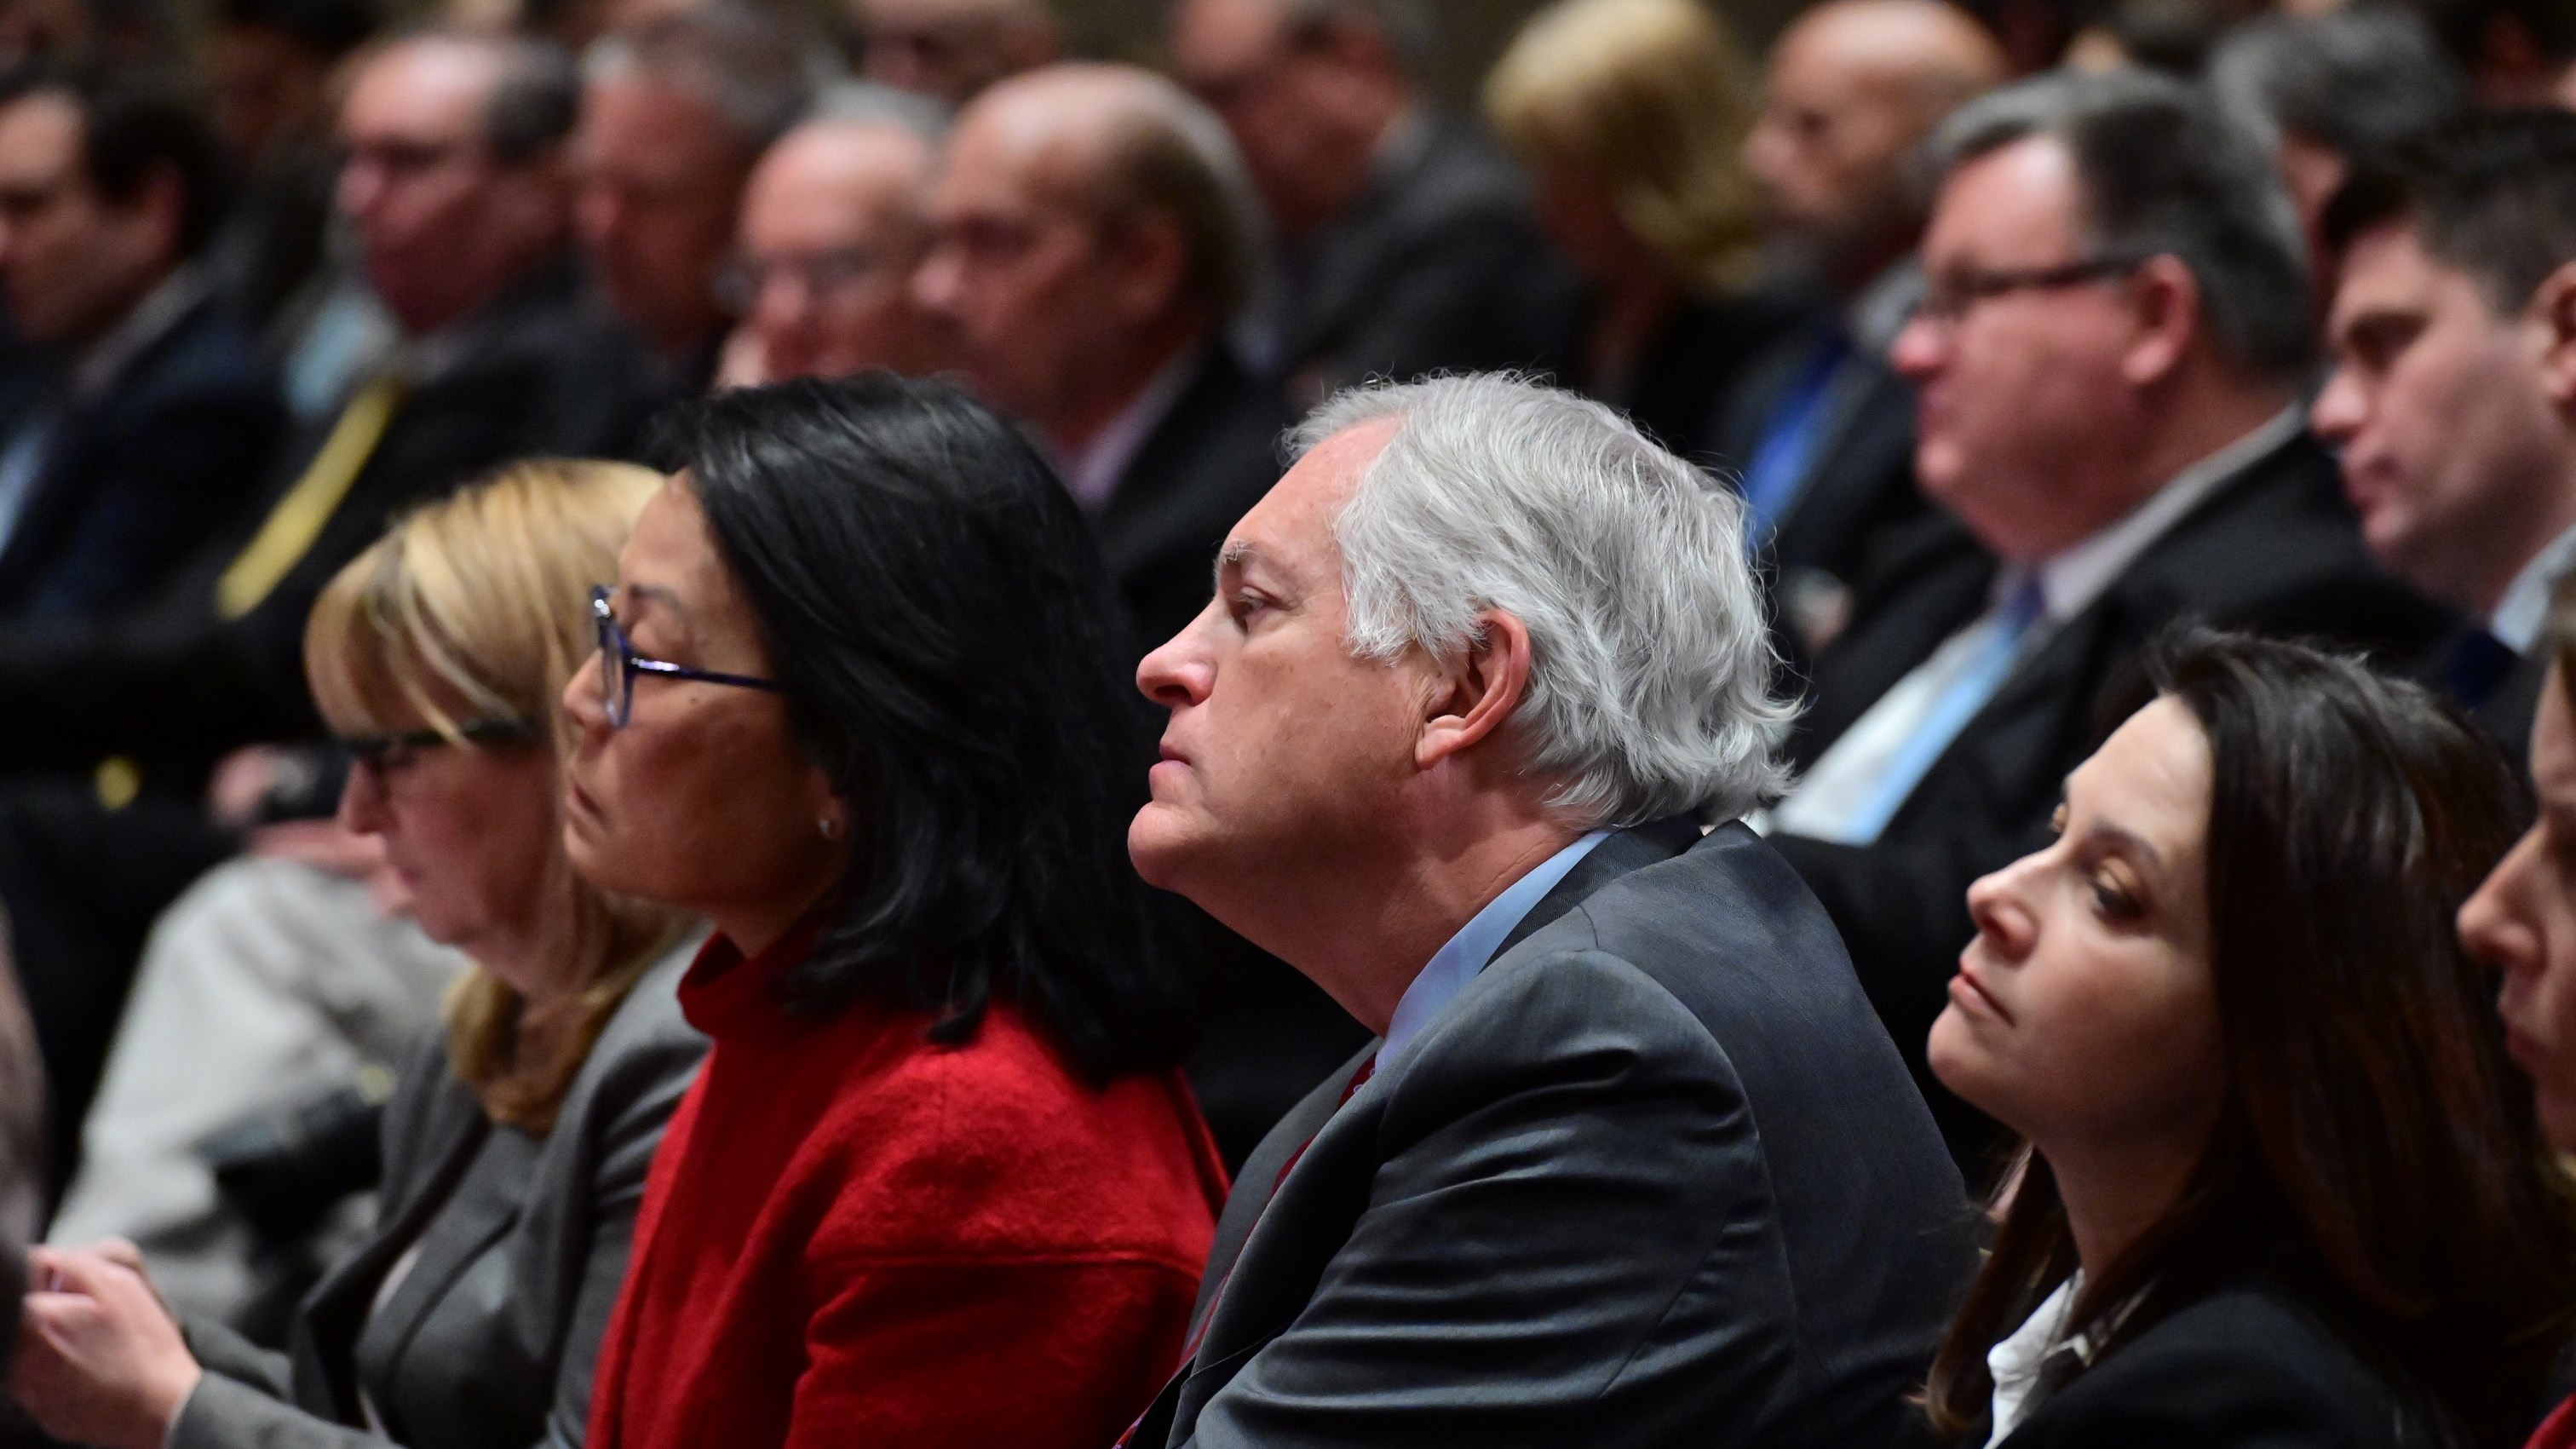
(851, 1236)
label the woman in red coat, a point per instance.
(859, 702)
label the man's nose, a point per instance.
(2340, 409)
(1919, 349)
(1181, 672)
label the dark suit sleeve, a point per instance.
(1480, 294)
(1572, 1185)
(173, 479)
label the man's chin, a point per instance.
(1161, 843)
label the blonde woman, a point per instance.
(1632, 115)
(516, 1146)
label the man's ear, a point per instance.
(2553, 304)
(2167, 297)
(1476, 695)
(1149, 264)
(160, 203)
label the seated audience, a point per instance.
(2280, 1189)
(1095, 232)
(834, 221)
(2453, 400)
(1631, 1162)
(159, 416)
(277, 982)
(950, 50)
(857, 700)
(1406, 243)
(270, 66)
(2522, 922)
(2334, 89)
(517, 1144)
(1820, 430)
(674, 113)
(1631, 116)
(2517, 52)
(454, 186)
(2110, 357)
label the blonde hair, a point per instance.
(477, 607)
(1651, 97)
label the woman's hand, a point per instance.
(99, 1360)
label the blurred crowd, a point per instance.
(2022, 331)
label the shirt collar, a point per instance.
(1092, 474)
(150, 320)
(2525, 605)
(2074, 578)
(2015, 1360)
(1466, 953)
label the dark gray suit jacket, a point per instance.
(1656, 1177)
(488, 1342)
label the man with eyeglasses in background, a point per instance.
(833, 223)
(2109, 359)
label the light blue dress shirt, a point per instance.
(1456, 963)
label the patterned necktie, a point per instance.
(1996, 650)
(299, 517)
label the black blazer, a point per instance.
(1859, 490)
(1687, 379)
(173, 686)
(2248, 1367)
(488, 1341)
(1655, 1177)
(1203, 466)
(1438, 265)
(2274, 550)
(138, 476)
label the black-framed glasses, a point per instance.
(387, 753)
(1953, 294)
(619, 664)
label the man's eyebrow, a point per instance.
(1234, 555)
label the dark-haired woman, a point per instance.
(2281, 1187)
(858, 701)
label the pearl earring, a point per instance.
(830, 827)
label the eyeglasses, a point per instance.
(385, 754)
(822, 274)
(619, 664)
(1954, 294)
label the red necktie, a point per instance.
(2558, 1431)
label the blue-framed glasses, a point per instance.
(619, 664)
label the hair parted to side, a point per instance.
(477, 607)
(1650, 679)
(2161, 171)
(2491, 194)
(953, 657)
(1653, 99)
(2374, 1145)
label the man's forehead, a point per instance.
(39, 135)
(1293, 523)
(2018, 197)
(426, 89)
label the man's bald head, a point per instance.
(1088, 218)
(1854, 86)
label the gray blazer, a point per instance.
(488, 1342)
(1655, 1178)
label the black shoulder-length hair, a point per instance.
(953, 658)
(2374, 1150)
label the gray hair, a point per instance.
(2357, 80)
(746, 65)
(2163, 171)
(1650, 678)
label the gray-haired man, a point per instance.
(1631, 1162)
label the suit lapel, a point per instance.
(1628, 850)
(338, 1308)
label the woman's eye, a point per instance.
(2116, 903)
